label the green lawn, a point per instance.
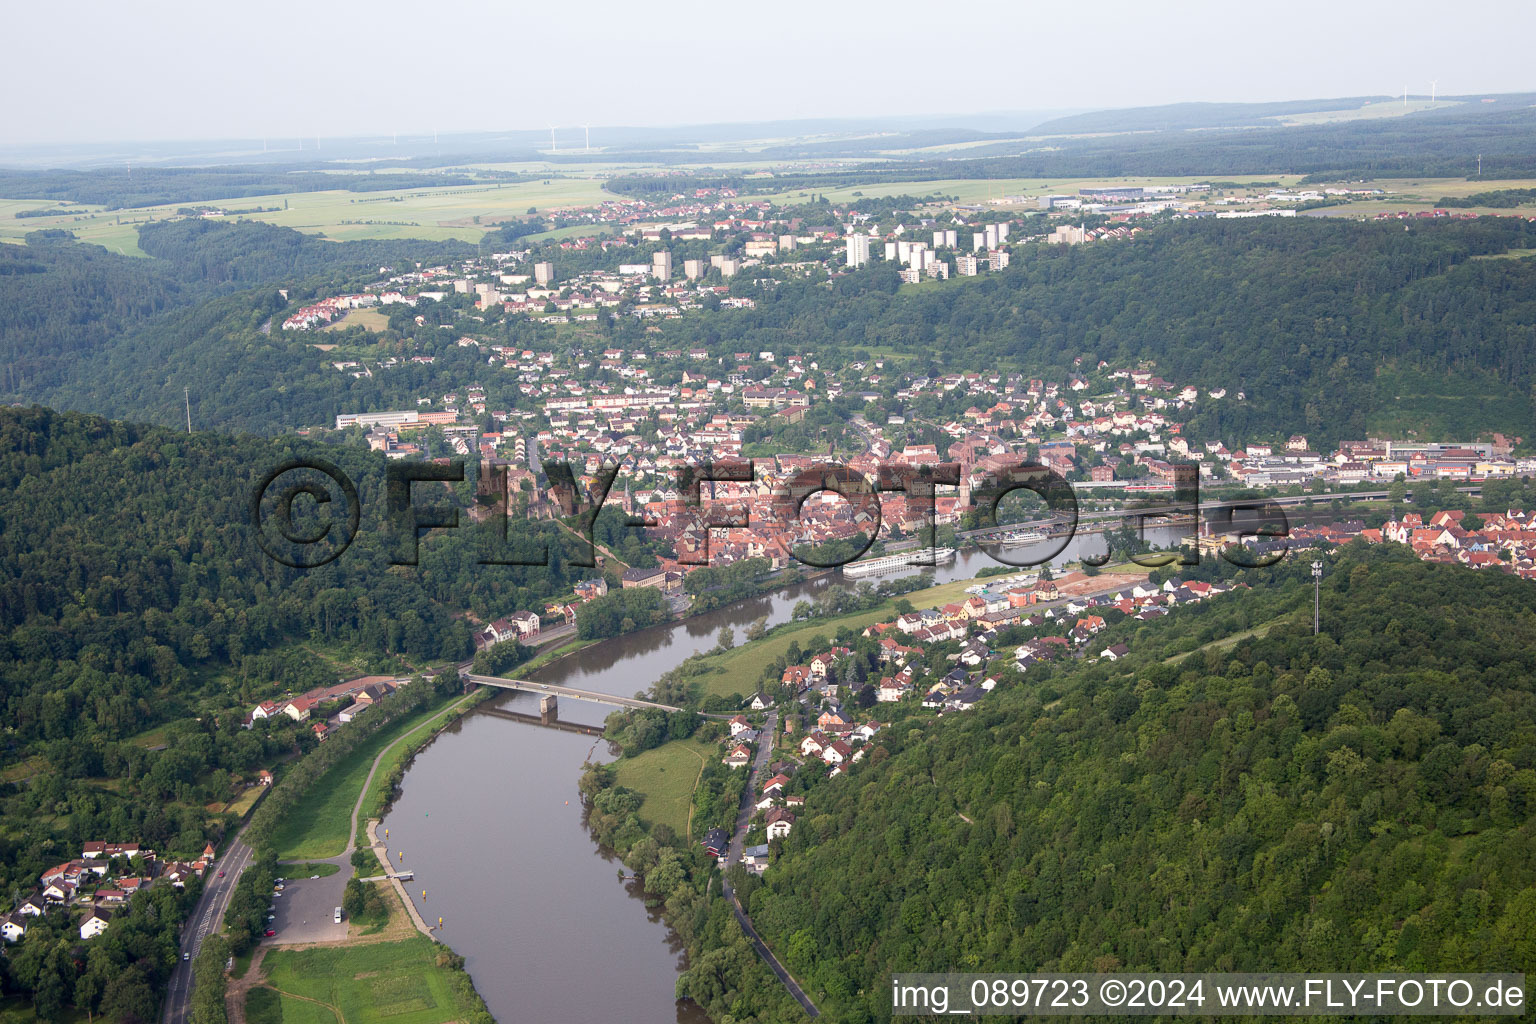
(319, 826)
(666, 776)
(395, 981)
(304, 869)
(267, 1006)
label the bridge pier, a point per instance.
(549, 706)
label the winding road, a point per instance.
(733, 856)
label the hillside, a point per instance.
(1332, 329)
(62, 301)
(1364, 800)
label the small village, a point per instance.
(828, 727)
(99, 883)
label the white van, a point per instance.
(338, 915)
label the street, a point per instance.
(733, 856)
(206, 919)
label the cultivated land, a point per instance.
(435, 214)
(400, 982)
(666, 776)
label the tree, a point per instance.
(726, 638)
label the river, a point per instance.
(490, 821)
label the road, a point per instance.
(206, 919)
(733, 856)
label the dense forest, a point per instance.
(62, 301)
(1362, 800)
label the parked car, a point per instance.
(270, 933)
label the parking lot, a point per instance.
(305, 910)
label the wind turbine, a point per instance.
(1432, 83)
(553, 147)
(588, 129)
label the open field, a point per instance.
(318, 827)
(369, 319)
(1368, 112)
(425, 212)
(364, 984)
(667, 775)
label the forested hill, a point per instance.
(62, 300)
(133, 591)
(1360, 801)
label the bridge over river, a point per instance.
(551, 690)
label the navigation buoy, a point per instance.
(386, 833)
(567, 803)
(439, 922)
(423, 894)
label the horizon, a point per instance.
(180, 80)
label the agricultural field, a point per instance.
(666, 776)
(435, 214)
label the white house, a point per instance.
(780, 822)
(13, 928)
(95, 923)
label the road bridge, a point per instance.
(571, 692)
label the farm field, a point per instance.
(666, 776)
(435, 214)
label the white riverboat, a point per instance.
(902, 560)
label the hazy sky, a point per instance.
(178, 69)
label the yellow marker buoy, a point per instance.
(439, 922)
(423, 894)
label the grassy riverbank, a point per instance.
(398, 751)
(414, 981)
(666, 777)
(319, 826)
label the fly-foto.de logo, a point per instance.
(306, 512)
